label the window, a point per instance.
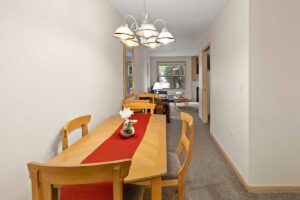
(171, 75)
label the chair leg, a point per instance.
(180, 191)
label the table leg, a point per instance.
(175, 105)
(156, 189)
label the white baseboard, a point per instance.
(251, 187)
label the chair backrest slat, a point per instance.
(127, 101)
(117, 186)
(73, 124)
(141, 106)
(44, 176)
(185, 142)
(144, 96)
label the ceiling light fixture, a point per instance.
(165, 37)
(147, 32)
(131, 42)
(124, 32)
(151, 42)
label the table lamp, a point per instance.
(157, 86)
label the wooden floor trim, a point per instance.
(255, 188)
(230, 163)
(274, 188)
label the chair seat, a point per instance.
(133, 192)
(173, 166)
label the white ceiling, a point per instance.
(188, 20)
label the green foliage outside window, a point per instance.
(171, 75)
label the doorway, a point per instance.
(206, 85)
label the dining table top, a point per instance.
(149, 160)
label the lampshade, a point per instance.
(157, 86)
(131, 33)
(165, 37)
(131, 42)
(147, 30)
(151, 42)
(123, 32)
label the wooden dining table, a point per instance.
(149, 162)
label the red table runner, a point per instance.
(116, 147)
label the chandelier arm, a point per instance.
(162, 21)
(134, 26)
(129, 17)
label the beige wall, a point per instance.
(274, 92)
(254, 88)
(188, 71)
(229, 75)
(58, 60)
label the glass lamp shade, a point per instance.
(131, 42)
(151, 42)
(165, 37)
(147, 30)
(123, 32)
(143, 40)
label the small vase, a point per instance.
(128, 129)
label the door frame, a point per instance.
(205, 84)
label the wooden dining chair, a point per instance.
(44, 177)
(162, 107)
(73, 124)
(137, 107)
(175, 170)
(127, 101)
(145, 96)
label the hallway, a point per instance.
(209, 177)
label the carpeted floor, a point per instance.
(209, 177)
